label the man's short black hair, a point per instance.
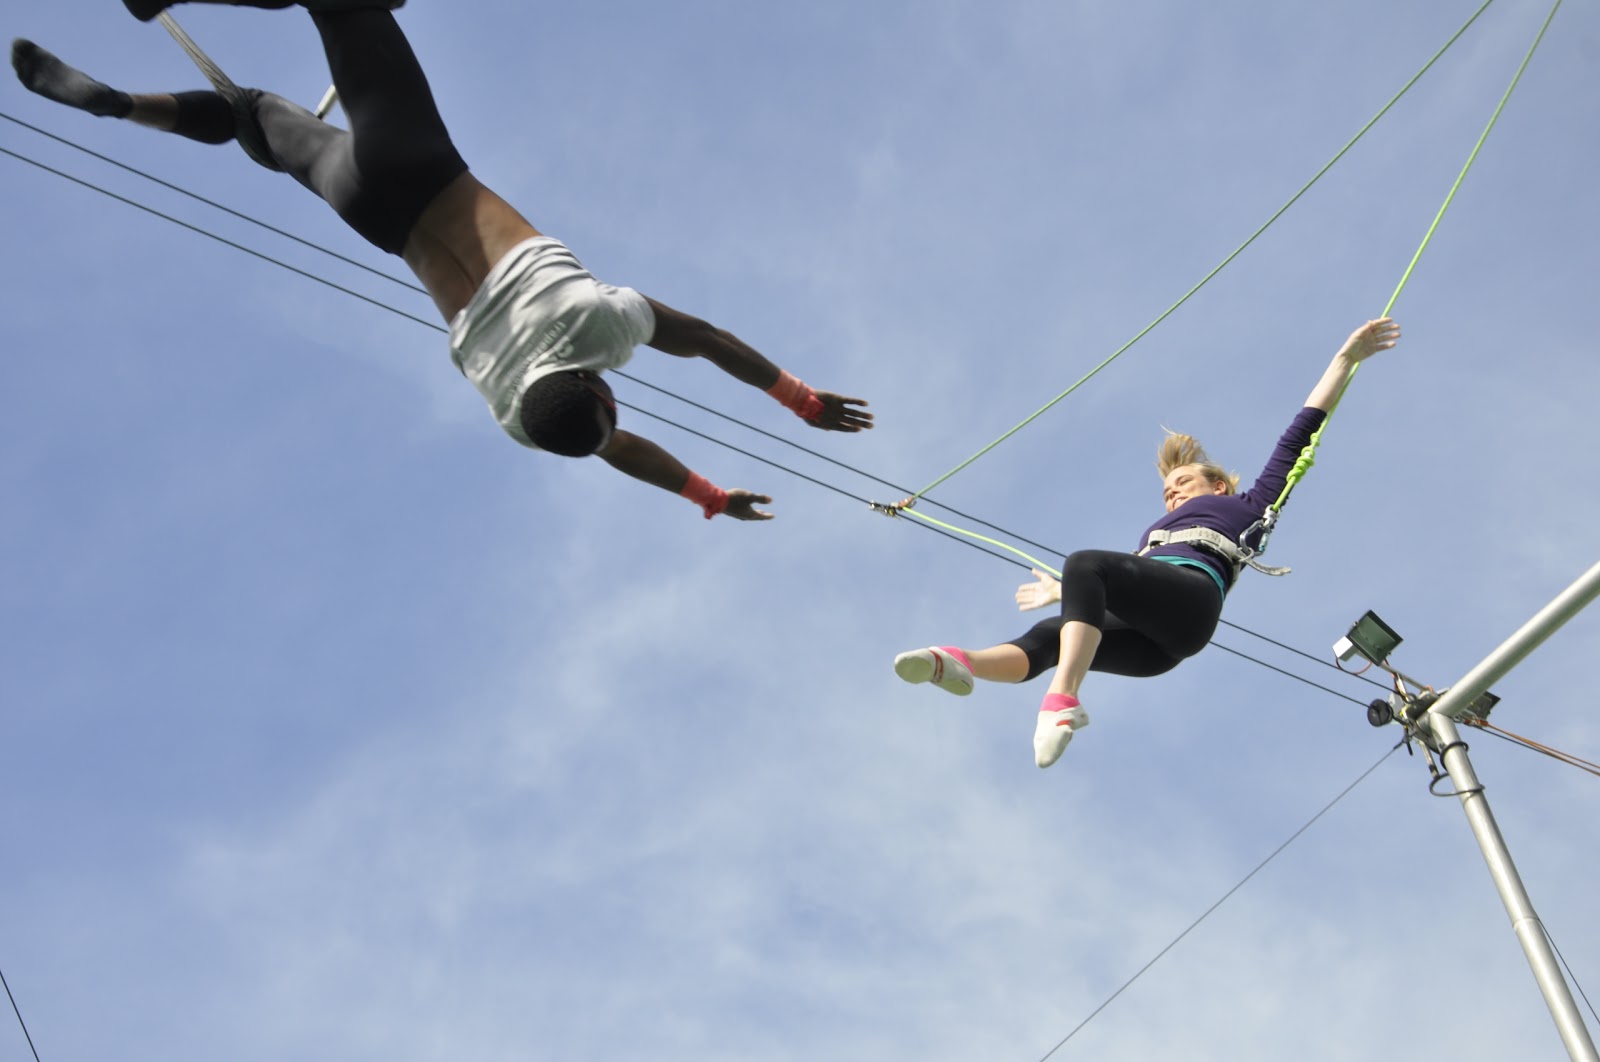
(569, 413)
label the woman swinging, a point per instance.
(1140, 615)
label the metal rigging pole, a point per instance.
(1432, 718)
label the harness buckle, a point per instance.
(1248, 554)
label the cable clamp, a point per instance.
(1440, 775)
(892, 509)
(1437, 778)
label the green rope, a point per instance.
(1307, 456)
(1035, 561)
(1237, 251)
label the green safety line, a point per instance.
(1237, 251)
(1308, 455)
(1035, 561)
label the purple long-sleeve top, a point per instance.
(1232, 514)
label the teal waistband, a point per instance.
(1187, 563)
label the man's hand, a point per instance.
(1037, 595)
(838, 415)
(742, 505)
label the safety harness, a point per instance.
(1237, 554)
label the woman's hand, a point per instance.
(1363, 343)
(742, 505)
(1370, 338)
(1047, 591)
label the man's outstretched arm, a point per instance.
(686, 336)
(644, 460)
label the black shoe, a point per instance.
(145, 10)
(350, 5)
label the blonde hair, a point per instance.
(1178, 450)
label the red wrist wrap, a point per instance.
(704, 493)
(793, 394)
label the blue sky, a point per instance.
(335, 725)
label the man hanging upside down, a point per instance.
(529, 326)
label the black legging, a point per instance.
(1151, 614)
(397, 156)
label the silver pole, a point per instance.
(1529, 637)
(1530, 932)
(1441, 720)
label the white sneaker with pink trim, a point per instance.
(936, 666)
(1054, 730)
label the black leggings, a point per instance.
(1151, 614)
(397, 156)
